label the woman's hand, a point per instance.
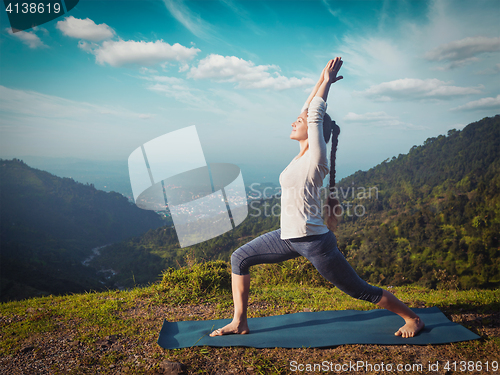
(331, 70)
(329, 76)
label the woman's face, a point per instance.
(299, 127)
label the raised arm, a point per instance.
(315, 114)
(329, 76)
(315, 89)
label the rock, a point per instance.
(112, 338)
(27, 349)
(103, 343)
(74, 343)
(172, 368)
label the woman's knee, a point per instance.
(236, 264)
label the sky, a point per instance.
(108, 76)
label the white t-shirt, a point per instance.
(302, 179)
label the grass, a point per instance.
(78, 323)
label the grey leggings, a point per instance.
(321, 250)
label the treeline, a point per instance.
(49, 226)
(142, 260)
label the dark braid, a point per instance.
(333, 205)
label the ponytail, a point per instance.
(334, 210)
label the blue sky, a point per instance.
(109, 76)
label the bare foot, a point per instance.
(411, 328)
(231, 328)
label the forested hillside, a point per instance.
(436, 217)
(141, 260)
(430, 217)
(49, 226)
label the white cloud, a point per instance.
(164, 79)
(457, 64)
(337, 13)
(367, 117)
(484, 103)
(42, 29)
(117, 53)
(29, 38)
(183, 67)
(246, 73)
(244, 17)
(190, 20)
(85, 29)
(494, 70)
(379, 119)
(412, 88)
(145, 70)
(179, 89)
(33, 123)
(87, 47)
(365, 57)
(463, 52)
(181, 92)
(38, 105)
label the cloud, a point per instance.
(87, 47)
(34, 123)
(374, 56)
(378, 119)
(117, 53)
(145, 70)
(412, 88)
(494, 70)
(179, 89)
(38, 105)
(463, 52)
(196, 99)
(85, 29)
(190, 20)
(457, 64)
(337, 13)
(243, 16)
(29, 38)
(164, 79)
(367, 117)
(246, 73)
(484, 103)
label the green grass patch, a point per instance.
(198, 283)
(287, 288)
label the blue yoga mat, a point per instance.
(316, 330)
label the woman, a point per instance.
(302, 231)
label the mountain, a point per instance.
(49, 225)
(431, 217)
(141, 260)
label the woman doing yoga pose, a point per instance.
(303, 232)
